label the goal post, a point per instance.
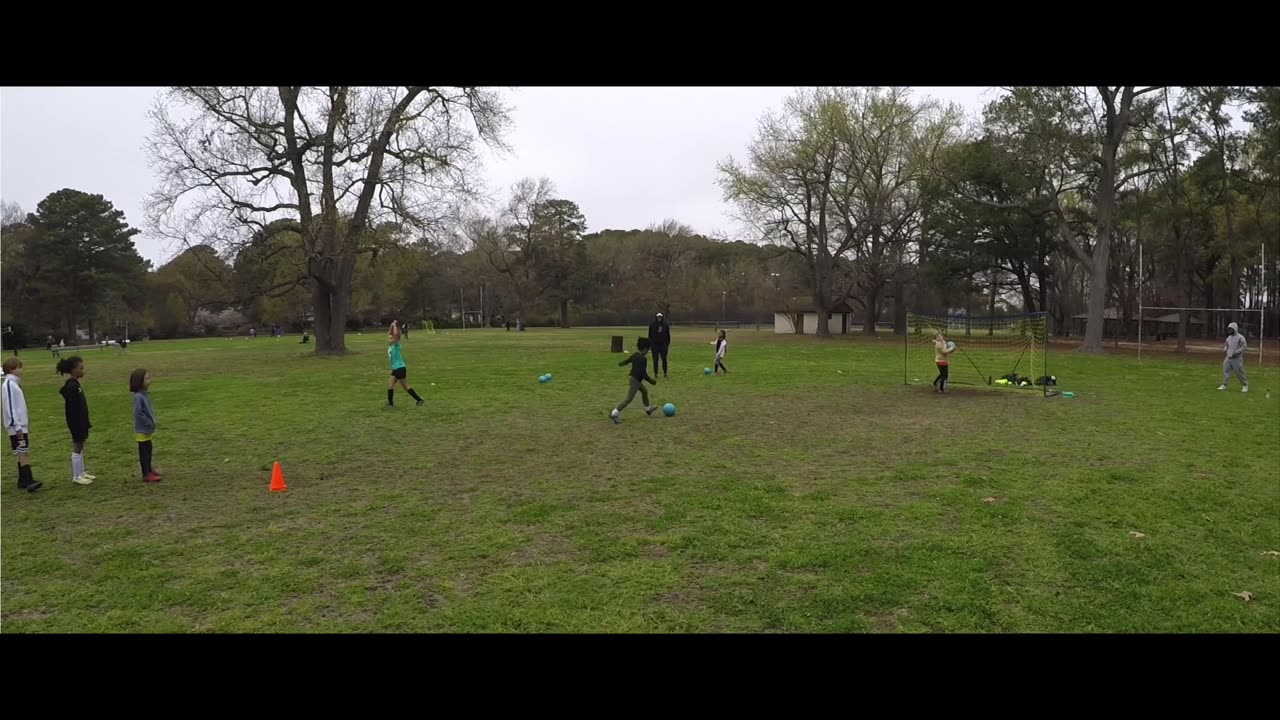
(988, 350)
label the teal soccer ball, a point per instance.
(669, 409)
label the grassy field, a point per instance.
(807, 491)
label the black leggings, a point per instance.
(940, 382)
(659, 352)
(144, 457)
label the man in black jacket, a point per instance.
(660, 340)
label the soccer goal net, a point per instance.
(1006, 351)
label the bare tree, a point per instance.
(663, 255)
(508, 243)
(11, 213)
(836, 174)
(785, 188)
(330, 162)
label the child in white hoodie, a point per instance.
(17, 422)
(722, 345)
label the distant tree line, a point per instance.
(865, 195)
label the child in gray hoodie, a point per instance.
(1234, 364)
(144, 421)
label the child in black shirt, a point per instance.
(77, 412)
(638, 377)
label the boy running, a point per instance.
(638, 377)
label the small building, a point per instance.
(1112, 323)
(1152, 327)
(801, 318)
(1167, 326)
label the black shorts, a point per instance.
(20, 443)
(79, 436)
(400, 373)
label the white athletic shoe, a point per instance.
(614, 416)
(89, 477)
(1222, 387)
(82, 480)
(1244, 389)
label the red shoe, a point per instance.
(151, 477)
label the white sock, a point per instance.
(615, 411)
(77, 465)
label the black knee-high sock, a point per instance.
(414, 393)
(391, 397)
(24, 475)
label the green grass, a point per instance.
(786, 497)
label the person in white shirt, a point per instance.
(13, 410)
(721, 344)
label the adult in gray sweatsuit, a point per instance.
(1234, 364)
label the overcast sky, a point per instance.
(629, 156)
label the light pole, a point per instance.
(723, 293)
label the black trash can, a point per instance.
(616, 344)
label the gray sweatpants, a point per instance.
(636, 385)
(1234, 366)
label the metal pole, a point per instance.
(462, 308)
(1262, 308)
(1139, 303)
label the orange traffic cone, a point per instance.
(277, 479)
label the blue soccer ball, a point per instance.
(669, 409)
(543, 378)
(706, 371)
(951, 345)
(548, 377)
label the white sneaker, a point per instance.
(1244, 389)
(88, 477)
(1222, 387)
(82, 480)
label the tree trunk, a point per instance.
(1101, 261)
(991, 312)
(871, 303)
(1184, 283)
(1234, 299)
(968, 314)
(564, 313)
(1115, 126)
(1028, 299)
(899, 308)
(331, 281)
